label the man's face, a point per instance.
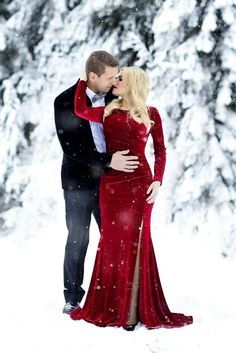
(104, 82)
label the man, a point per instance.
(84, 159)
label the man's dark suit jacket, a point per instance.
(82, 164)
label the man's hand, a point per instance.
(153, 191)
(124, 163)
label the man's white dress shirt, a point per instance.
(97, 129)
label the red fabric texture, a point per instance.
(123, 210)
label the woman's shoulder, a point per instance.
(153, 113)
(151, 108)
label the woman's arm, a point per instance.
(159, 145)
(80, 106)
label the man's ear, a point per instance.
(92, 76)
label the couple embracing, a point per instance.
(103, 124)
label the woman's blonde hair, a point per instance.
(137, 89)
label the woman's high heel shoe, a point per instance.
(129, 327)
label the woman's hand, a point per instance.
(83, 75)
(153, 191)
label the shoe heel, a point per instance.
(129, 327)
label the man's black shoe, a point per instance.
(69, 307)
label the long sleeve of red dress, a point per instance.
(80, 106)
(159, 145)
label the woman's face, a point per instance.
(119, 88)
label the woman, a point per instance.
(125, 287)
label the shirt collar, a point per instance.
(90, 93)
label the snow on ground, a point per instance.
(195, 282)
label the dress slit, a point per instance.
(133, 313)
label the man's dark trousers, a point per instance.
(80, 205)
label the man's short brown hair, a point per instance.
(98, 60)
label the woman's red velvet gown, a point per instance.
(125, 283)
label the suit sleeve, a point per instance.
(159, 145)
(72, 139)
(80, 106)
